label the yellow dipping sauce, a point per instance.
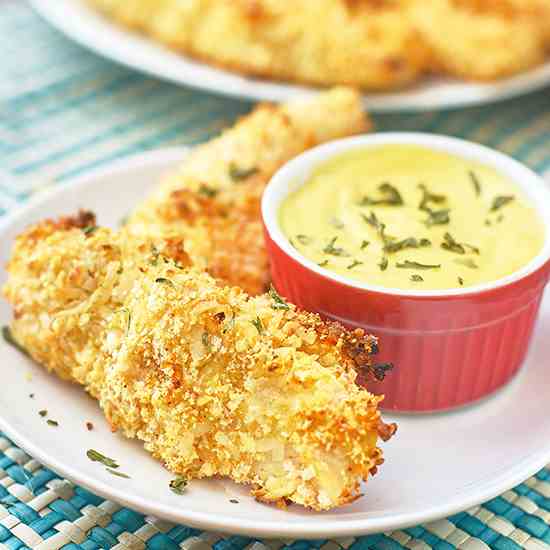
(408, 217)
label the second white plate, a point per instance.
(82, 24)
(435, 466)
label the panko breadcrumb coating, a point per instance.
(372, 44)
(214, 382)
(213, 200)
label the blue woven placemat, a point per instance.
(64, 111)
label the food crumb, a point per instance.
(233, 501)
(89, 426)
(118, 474)
(31, 395)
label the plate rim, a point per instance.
(203, 520)
(239, 86)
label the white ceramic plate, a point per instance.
(436, 465)
(79, 22)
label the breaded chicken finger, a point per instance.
(213, 200)
(213, 381)
(366, 43)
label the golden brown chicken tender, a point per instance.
(213, 381)
(213, 200)
(537, 10)
(367, 43)
(479, 41)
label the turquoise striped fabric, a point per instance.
(64, 111)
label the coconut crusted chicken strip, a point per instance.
(367, 43)
(213, 381)
(213, 200)
(467, 36)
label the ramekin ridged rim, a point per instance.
(296, 172)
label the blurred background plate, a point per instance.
(82, 24)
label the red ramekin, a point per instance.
(449, 347)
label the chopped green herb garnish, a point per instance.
(488, 223)
(437, 217)
(96, 456)
(383, 265)
(428, 196)
(407, 264)
(164, 280)
(178, 485)
(278, 302)
(500, 201)
(303, 239)
(334, 250)
(364, 245)
(381, 369)
(500, 218)
(52, 422)
(43, 413)
(31, 395)
(258, 324)
(119, 474)
(410, 242)
(323, 263)
(390, 197)
(380, 227)
(461, 281)
(468, 262)
(239, 174)
(207, 191)
(89, 229)
(372, 220)
(475, 182)
(355, 263)
(451, 245)
(416, 278)
(9, 339)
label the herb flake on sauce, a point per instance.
(500, 201)
(390, 196)
(408, 264)
(335, 250)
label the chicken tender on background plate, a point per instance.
(366, 43)
(480, 40)
(213, 381)
(213, 200)
(372, 44)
